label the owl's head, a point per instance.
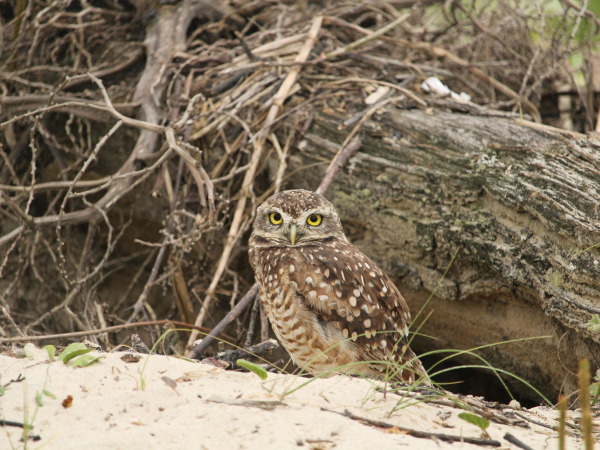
(296, 218)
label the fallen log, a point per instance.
(520, 206)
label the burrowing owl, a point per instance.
(329, 304)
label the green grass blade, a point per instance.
(475, 420)
(255, 368)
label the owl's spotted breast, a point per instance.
(309, 337)
(329, 304)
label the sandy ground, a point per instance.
(215, 409)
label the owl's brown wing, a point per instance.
(347, 288)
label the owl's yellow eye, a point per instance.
(276, 218)
(314, 220)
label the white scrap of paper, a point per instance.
(433, 85)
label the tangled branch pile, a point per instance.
(137, 140)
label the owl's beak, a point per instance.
(293, 231)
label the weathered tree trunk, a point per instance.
(519, 207)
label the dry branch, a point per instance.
(125, 326)
(418, 433)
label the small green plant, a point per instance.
(51, 351)
(39, 396)
(75, 350)
(594, 324)
(255, 368)
(480, 422)
(86, 360)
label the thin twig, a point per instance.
(124, 326)
(139, 304)
(417, 433)
(199, 349)
(513, 440)
(372, 35)
(126, 120)
(252, 323)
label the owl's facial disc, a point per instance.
(296, 218)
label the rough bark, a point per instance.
(519, 205)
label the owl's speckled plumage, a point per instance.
(321, 291)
